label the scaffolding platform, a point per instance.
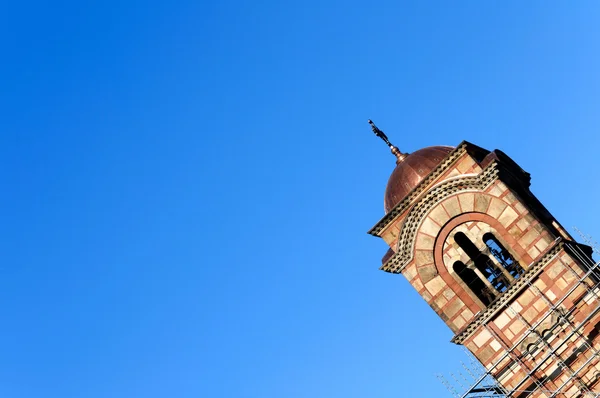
(563, 361)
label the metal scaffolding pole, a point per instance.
(564, 340)
(586, 261)
(592, 268)
(595, 353)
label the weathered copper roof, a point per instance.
(410, 171)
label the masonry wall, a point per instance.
(498, 210)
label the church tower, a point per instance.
(503, 274)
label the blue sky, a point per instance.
(188, 185)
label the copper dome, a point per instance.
(410, 171)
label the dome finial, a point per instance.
(399, 155)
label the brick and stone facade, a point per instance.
(500, 271)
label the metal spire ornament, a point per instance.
(395, 151)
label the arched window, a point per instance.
(546, 334)
(483, 263)
(470, 278)
(502, 255)
(535, 348)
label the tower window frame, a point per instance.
(493, 274)
(474, 282)
(502, 255)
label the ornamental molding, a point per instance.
(407, 237)
(513, 290)
(553, 325)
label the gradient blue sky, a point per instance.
(188, 185)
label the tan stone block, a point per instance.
(522, 223)
(573, 391)
(417, 284)
(482, 337)
(453, 173)
(515, 231)
(423, 257)
(453, 307)
(520, 207)
(452, 326)
(526, 298)
(560, 283)
(508, 216)
(516, 307)
(533, 252)
(439, 215)
(435, 285)
(496, 190)
(429, 227)
(540, 284)
(570, 275)
(424, 242)
(470, 345)
(449, 294)
(510, 198)
(541, 245)
(529, 237)
(454, 253)
(502, 320)
(551, 296)
(530, 314)
(485, 227)
(459, 323)
(554, 270)
(502, 186)
(467, 202)
(496, 208)
(495, 345)
(452, 206)
(566, 259)
(465, 164)
(589, 298)
(389, 237)
(516, 327)
(440, 301)
(464, 229)
(539, 227)
(410, 272)
(482, 203)
(427, 273)
(486, 354)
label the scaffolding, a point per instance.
(544, 351)
(464, 378)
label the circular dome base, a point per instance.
(411, 171)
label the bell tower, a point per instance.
(464, 229)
